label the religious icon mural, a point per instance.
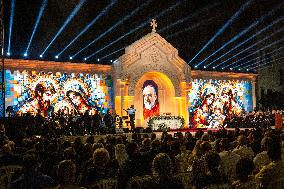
(213, 101)
(47, 93)
(151, 105)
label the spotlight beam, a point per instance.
(253, 45)
(102, 13)
(261, 65)
(135, 29)
(12, 9)
(265, 59)
(261, 19)
(43, 5)
(169, 36)
(70, 17)
(248, 39)
(113, 27)
(227, 24)
(188, 17)
(252, 59)
(101, 58)
(193, 26)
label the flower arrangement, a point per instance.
(166, 122)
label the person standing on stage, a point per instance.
(108, 119)
(131, 112)
(96, 122)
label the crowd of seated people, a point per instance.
(60, 124)
(236, 157)
(253, 119)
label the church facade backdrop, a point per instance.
(46, 86)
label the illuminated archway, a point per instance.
(166, 92)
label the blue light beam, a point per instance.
(261, 65)
(251, 59)
(11, 25)
(248, 39)
(43, 5)
(70, 17)
(102, 58)
(113, 27)
(227, 24)
(253, 45)
(188, 17)
(191, 27)
(135, 29)
(261, 19)
(102, 13)
(250, 65)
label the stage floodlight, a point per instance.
(101, 58)
(70, 57)
(70, 17)
(255, 52)
(56, 57)
(12, 10)
(196, 13)
(231, 68)
(135, 29)
(111, 61)
(8, 54)
(254, 45)
(261, 65)
(263, 59)
(43, 5)
(248, 39)
(191, 27)
(102, 13)
(214, 67)
(98, 59)
(25, 54)
(41, 56)
(247, 69)
(222, 68)
(195, 66)
(113, 27)
(243, 32)
(85, 59)
(258, 57)
(204, 66)
(227, 24)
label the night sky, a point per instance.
(188, 34)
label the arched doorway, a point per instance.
(166, 95)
